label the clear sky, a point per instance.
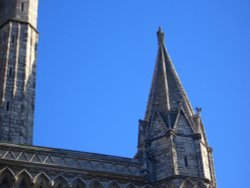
(95, 65)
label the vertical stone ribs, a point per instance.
(18, 44)
(172, 141)
(166, 90)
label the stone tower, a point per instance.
(18, 46)
(172, 143)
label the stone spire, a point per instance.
(172, 142)
(167, 92)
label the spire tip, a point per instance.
(159, 29)
(160, 35)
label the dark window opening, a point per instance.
(186, 161)
(23, 184)
(22, 6)
(41, 185)
(8, 106)
(60, 186)
(10, 72)
(12, 39)
(5, 184)
(36, 46)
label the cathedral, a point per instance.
(173, 150)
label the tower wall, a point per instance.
(19, 10)
(18, 46)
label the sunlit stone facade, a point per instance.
(172, 147)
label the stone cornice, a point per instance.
(66, 159)
(19, 21)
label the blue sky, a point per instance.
(95, 65)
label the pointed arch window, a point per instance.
(113, 185)
(7, 178)
(78, 184)
(130, 186)
(41, 185)
(23, 184)
(187, 184)
(60, 186)
(96, 184)
(5, 184)
(60, 182)
(42, 181)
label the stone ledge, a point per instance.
(70, 159)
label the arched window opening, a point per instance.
(113, 185)
(60, 182)
(200, 185)
(171, 185)
(23, 184)
(187, 184)
(78, 184)
(41, 185)
(42, 181)
(59, 186)
(130, 186)
(5, 184)
(96, 184)
(7, 178)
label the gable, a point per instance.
(157, 127)
(182, 125)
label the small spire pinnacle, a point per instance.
(160, 35)
(198, 111)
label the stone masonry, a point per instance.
(18, 45)
(173, 150)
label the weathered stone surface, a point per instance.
(18, 45)
(172, 148)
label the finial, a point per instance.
(160, 35)
(180, 103)
(198, 111)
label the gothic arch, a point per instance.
(23, 184)
(60, 182)
(114, 185)
(171, 185)
(42, 180)
(78, 183)
(130, 185)
(147, 186)
(24, 179)
(200, 185)
(187, 184)
(7, 178)
(5, 183)
(212, 186)
(95, 184)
